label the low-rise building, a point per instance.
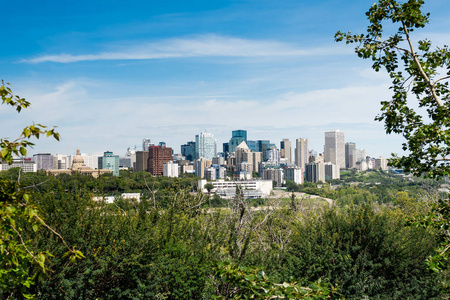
(26, 164)
(264, 186)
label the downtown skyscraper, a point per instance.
(350, 155)
(334, 150)
(237, 137)
(205, 145)
(301, 153)
(285, 146)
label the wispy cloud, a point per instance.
(200, 46)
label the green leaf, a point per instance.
(23, 151)
(26, 132)
(4, 152)
(79, 254)
(41, 260)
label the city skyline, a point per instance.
(197, 149)
(110, 75)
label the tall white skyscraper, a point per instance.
(205, 145)
(301, 153)
(334, 150)
(146, 143)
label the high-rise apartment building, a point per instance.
(218, 161)
(237, 137)
(332, 171)
(274, 174)
(244, 154)
(301, 153)
(294, 174)
(205, 145)
(141, 161)
(44, 161)
(200, 165)
(170, 169)
(350, 159)
(273, 156)
(285, 150)
(157, 157)
(334, 150)
(214, 172)
(315, 172)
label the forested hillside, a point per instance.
(175, 244)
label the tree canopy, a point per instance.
(418, 70)
(422, 71)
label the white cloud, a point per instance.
(95, 124)
(201, 46)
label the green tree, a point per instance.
(209, 187)
(421, 71)
(416, 70)
(366, 254)
(18, 213)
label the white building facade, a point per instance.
(294, 174)
(170, 169)
(265, 186)
(334, 150)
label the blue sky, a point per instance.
(110, 73)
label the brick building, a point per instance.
(157, 157)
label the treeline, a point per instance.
(173, 245)
(106, 185)
(379, 187)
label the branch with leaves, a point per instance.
(18, 214)
(18, 146)
(425, 122)
(426, 129)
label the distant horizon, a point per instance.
(109, 75)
